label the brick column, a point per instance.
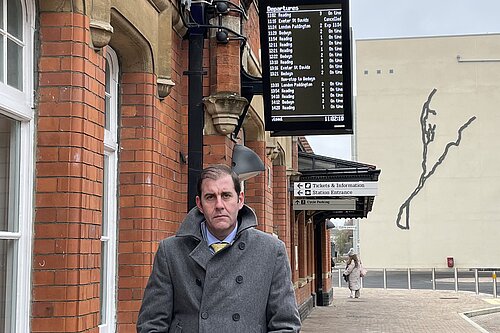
(311, 261)
(217, 149)
(152, 195)
(258, 194)
(325, 249)
(68, 177)
(281, 206)
(224, 66)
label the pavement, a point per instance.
(398, 311)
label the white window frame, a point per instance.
(18, 105)
(109, 235)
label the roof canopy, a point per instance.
(316, 168)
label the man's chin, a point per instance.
(222, 224)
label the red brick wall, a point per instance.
(152, 178)
(252, 29)
(311, 258)
(225, 67)
(257, 194)
(152, 195)
(325, 249)
(217, 149)
(69, 177)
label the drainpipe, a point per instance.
(195, 105)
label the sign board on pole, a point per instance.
(334, 189)
(346, 227)
(324, 204)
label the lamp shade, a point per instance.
(246, 163)
(329, 224)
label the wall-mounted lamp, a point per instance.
(246, 163)
(222, 36)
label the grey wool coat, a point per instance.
(245, 287)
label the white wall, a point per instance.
(457, 213)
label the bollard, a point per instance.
(476, 279)
(409, 279)
(494, 276)
(456, 280)
(385, 278)
(433, 279)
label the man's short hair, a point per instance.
(217, 171)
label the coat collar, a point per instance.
(191, 224)
(190, 227)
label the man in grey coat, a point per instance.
(219, 273)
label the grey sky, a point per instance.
(405, 18)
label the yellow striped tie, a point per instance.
(219, 246)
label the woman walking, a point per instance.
(352, 269)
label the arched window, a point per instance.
(16, 177)
(109, 209)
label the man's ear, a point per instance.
(198, 204)
(241, 199)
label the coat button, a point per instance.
(239, 279)
(241, 246)
(236, 316)
(198, 282)
(204, 315)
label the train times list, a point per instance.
(306, 63)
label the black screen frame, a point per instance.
(307, 127)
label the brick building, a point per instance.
(94, 163)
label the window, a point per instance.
(9, 212)
(16, 177)
(109, 202)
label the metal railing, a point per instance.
(488, 278)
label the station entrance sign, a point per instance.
(335, 189)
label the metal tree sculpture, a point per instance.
(428, 134)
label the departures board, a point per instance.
(306, 64)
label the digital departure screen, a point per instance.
(306, 64)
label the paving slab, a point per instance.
(396, 310)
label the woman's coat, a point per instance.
(245, 287)
(354, 275)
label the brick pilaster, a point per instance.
(258, 193)
(217, 149)
(69, 177)
(281, 212)
(152, 194)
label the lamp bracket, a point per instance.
(250, 86)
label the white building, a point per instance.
(449, 208)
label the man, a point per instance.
(197, 287)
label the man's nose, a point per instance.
(219, 202)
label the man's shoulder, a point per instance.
(172, 240)
(264, 237)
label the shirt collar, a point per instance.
(212, 239)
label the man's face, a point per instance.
(220, 204)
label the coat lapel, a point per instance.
(201, 254)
